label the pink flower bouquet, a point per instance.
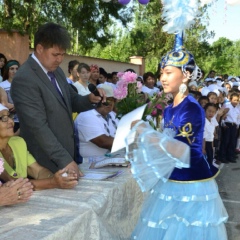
(127, 93)
(154, 110)
(128, 97)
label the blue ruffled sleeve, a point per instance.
(154, 155)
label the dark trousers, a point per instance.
(209, 151)
(228, 142)
(77, 157)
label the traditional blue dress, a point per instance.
(183, 202)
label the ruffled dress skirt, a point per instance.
(182, 211)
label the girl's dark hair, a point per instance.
(7, 66)
(72, 64)
(234, 94)
(203, 98)
(130, 70)
(210, 105)
(211, 93)
(190, 66)
(195, 93)
(5, 59)
(103, 72)
(83, 65)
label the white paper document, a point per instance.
(124, 126)
(110, 162)
(100, 175)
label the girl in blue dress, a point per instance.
(182, 202)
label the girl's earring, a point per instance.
(182, 88)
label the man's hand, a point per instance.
(73, 167)
(65, 181)
(97, 99)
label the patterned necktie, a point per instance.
(54, 83)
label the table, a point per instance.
(94, 210)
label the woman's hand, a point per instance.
(14, 192)
(65, 179)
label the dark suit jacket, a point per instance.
(45, 120)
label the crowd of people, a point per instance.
(50, 123)
(91, 136)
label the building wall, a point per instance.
(16, 46)
(108, 65)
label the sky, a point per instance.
(225, 22)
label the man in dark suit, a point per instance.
(45, 102)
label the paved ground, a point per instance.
(229, 188)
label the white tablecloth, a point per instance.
(94, 210)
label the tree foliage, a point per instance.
(147, 39)
(87, 20)
(116, 32)
(223, 57)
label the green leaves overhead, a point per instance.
(113, 31)
(91, 18)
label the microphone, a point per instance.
(92, 88)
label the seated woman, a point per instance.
(19, 163)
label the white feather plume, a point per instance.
(179, 14)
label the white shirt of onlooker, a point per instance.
(150, 91)
(82, 90)
(89, 125)
(233, 115)
(209, 129)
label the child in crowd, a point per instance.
(209, 129)
(220, 115)
(203, 100)
(179, 207)
(229, 130)
(212, 97)
(228, 86)
(237, 150)
(195, 94)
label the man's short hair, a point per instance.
(51, 34)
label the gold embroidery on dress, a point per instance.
(186, 131)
